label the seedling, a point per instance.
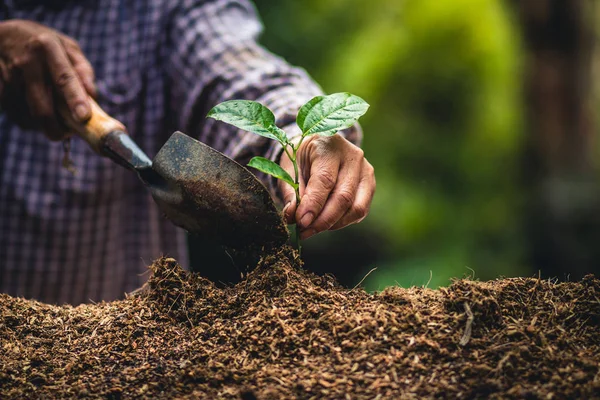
(322, 115)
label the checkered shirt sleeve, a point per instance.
(219, 40)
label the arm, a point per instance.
(215, 57)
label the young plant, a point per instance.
(322, 115)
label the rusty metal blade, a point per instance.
(210, 195)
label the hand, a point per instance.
(337, 184)
(38, 68)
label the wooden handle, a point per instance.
(95, 129)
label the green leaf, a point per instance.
(326, 115)
(280, 134)
(250, 116)
(272, 168)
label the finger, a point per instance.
(321, 181)
(80, 63)
(289, 199)
(39, 100)
(340, 200)
(362, 203)
(65, 78)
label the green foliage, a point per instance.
(444, 77)
(326, 115)
(272, 168)
(249, 116)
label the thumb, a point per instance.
(289, 199)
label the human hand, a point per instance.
(38, 68)
(337, 185)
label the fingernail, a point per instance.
(306, 234)
(306, 219)
(289, 203)
(81, 112)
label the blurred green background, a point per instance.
(446, 132)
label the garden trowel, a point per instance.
(194, 185)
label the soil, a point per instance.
(286, 333)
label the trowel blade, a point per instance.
(212, 196)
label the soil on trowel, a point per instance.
(283, 332)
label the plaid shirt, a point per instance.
(160, 66)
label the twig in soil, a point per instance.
(472, 277)
(365, 277)
(504, 360)
(467, 335)
(430, 278)
(234, 265)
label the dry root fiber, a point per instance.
(285, 333)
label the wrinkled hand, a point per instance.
(337, 184)
(38, 67)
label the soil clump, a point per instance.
(286, 333)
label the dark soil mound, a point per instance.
(285, 333)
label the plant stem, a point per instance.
(292, 158)
(298, 241)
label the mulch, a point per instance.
(286, 333)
